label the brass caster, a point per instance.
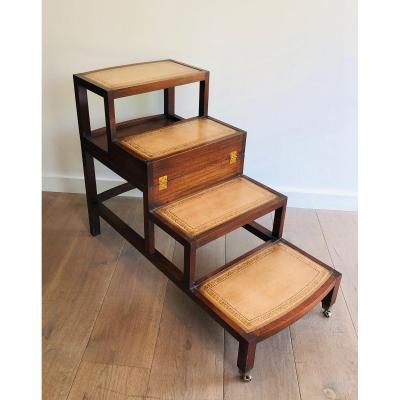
(246, 378)
(327, 313)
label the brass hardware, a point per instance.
(233, 157)
(162, 182)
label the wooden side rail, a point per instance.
(161, 262)
(258, 230)
(115, 191)
(164, 265)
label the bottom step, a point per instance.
(275, 282)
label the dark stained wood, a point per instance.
(136, 125)
(230, 263)
(91, 192)
(260, 231)
(197, 76)
(149, 238)
(246, 354)
(329, 300)
(279, 220)
(82, 109)
(188, 360)
(169, 101)
(189, 265)
(203, 100)
(324, 349)
(188, 171)
(177, 277)
(225, 227)
(109, 110)
(195, 169)
(115, 191)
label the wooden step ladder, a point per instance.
(191, 174)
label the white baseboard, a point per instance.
(297, 197)
(72, 184)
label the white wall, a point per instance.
(284, 71)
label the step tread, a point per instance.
(265, 285)
(174, 138)
(128, 76)
(208, 208)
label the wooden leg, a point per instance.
(169, 101)
(91, 192)
(189, 264)
(245, 361)
(203, 97)
(149, 241)
(329, 300)
(279, 220)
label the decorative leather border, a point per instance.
(249, 325)
(126, 83)
(127, 142)
(168, 211)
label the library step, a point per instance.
(191, 175)
(223, 207)
(275, 282)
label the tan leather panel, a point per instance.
(208, 208)
(265, 286)
(173, 138)
(138, 74)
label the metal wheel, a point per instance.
(327, 313)
(246, 378)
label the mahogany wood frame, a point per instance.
(134, 172)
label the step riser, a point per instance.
(195, 169)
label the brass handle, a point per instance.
(233, 157)
(162, 182)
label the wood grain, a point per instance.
(302, 228)
(188, 353)
(188, 361)
(340, 231)
(274, 373)
(209, 257)
(108, 382)
(61, 231)
(76, 280)
(196, 169)
(126, 329)
(325, 350)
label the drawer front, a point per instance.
(192, 170)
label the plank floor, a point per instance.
(112, 322)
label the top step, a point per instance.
(126, 80)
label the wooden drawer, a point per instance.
(194, 169)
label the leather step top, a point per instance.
(206, 209)
(139, 74)
(177, 137)
(264, 286)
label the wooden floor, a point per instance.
(113, 326)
